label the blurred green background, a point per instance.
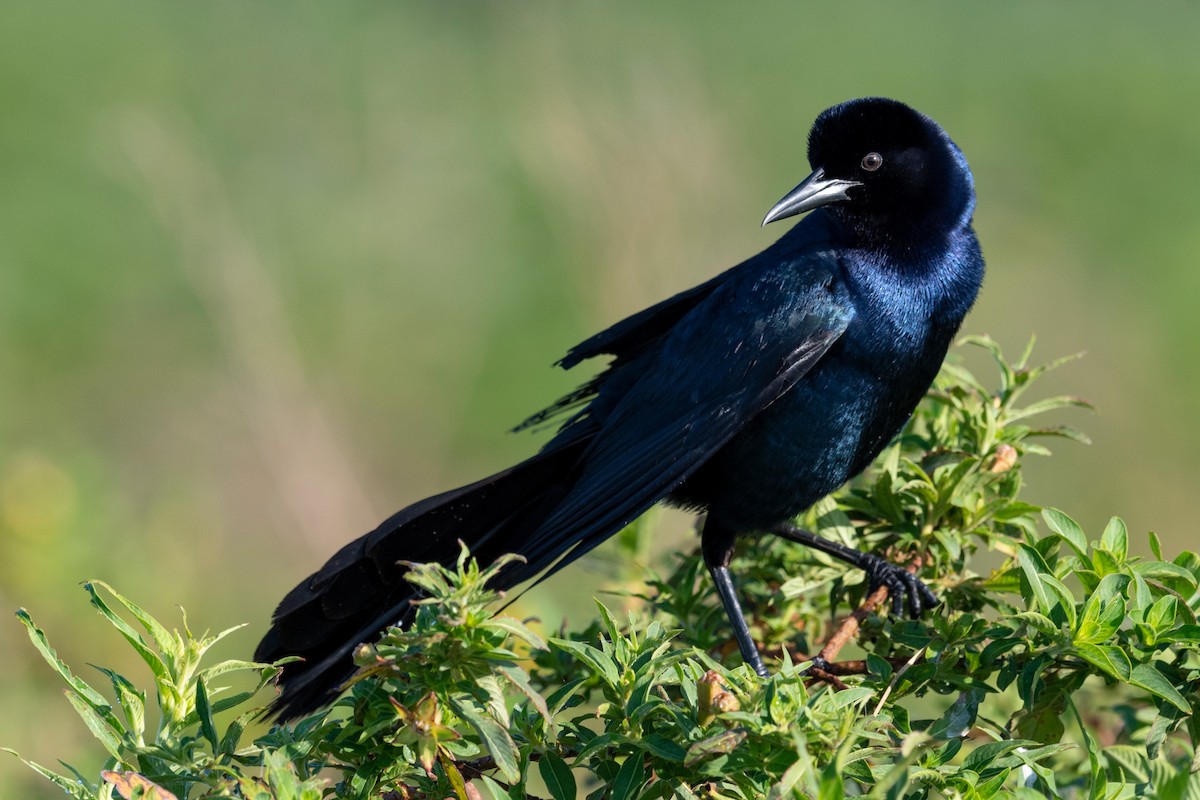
(269, 272)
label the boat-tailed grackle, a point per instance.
(748, 397)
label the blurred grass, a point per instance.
(268, 273)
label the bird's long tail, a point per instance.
(361, 590)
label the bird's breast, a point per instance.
(829, 427)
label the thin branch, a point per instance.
(851, 624)
(896, 680)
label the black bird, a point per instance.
(749, 397)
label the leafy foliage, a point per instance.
(1068, 669)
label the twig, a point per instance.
(839, 668)
(475, 768)
(825, 676)
(896, 679)
(850, 625)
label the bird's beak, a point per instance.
(814, 191)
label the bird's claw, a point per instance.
(901, 584)
(819, 662)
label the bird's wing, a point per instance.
(626, 340)
(739, 349)
(637, 331)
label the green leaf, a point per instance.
(833, 522)
(1098, 787)
(879, 667)
(997, 648)
(719, 744)
(682, 792)
(162, 638)
(233, 733)
(1039, 622)
(596, 744)
(1110, 659)
(848, 697)
(132, 702)
(1033, 565)
(1116, 538)
(1105, 563)
(518, 678)
(1186, 634)
(233, 665)
(207, 728)
(518, 629)
(96, 724)
(1069, 432)
(1030, 680)
(1161, 615)
(981, 757)
(1044, 774)
(959, 717)
(455, 777)
(1165, 722)
(1088, 578)
(1130, 760)
(629, 778)
(557, 701)
(497, 791)
(597, 659)
(73, 788)
(1111, 586)
(152, 659)
(97, 701)
(1149, 678)
(1101, 618)
(1140, 595)
(1043, 722)
(786, 786)
(496, 706)
(1049, 404)
(660, 746)
(1068, 529)
(557, 776)
(1066, 601)
(495, 737)
(1165, 570)
(832, 787)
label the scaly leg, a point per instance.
(718, 543)
(900, 582)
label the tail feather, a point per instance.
(361, 590)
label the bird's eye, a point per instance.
(872, 162)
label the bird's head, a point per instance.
(885, 170)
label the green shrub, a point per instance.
(1069, 669)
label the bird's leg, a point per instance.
(900, 582)
(717, 544)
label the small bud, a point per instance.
(712, 698)
(1003, 459)
(422, 726)
(725, 702)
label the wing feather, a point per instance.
(699, 391)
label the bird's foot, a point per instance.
(901, 585)
(819, 662)
(821, 671)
